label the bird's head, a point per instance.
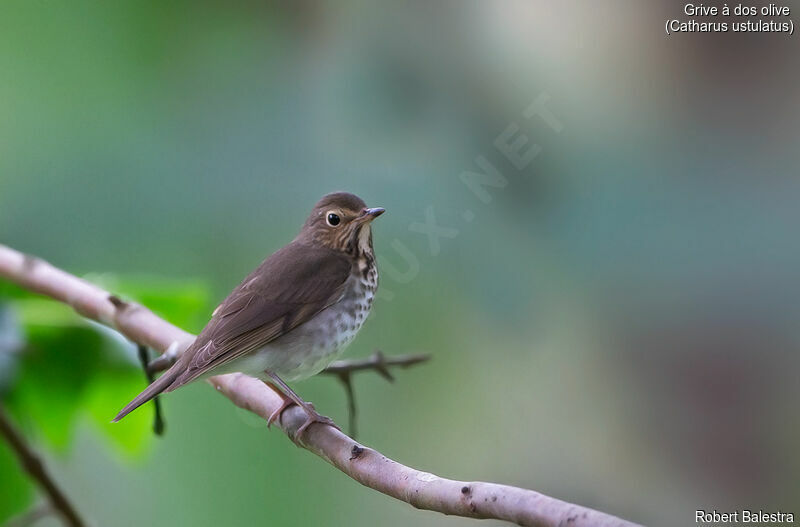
(341, 221)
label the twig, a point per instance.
(352, 416)
(158, 419)
(370, 468)
(35, 468)
(344, 370)
(378, 362)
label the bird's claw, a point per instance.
(274, 416)
(313, 417)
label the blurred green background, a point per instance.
(617, 326)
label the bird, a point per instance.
(294, 314)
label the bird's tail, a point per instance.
(155, 388)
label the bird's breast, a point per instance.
(352, 310)
(310, 347)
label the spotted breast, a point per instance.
(311, 347)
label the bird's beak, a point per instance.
(371, 214)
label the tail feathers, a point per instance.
(159, 385)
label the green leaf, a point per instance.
(55, 371)
(107, 395)
(11, 291)
(38, 311)
(71, 370)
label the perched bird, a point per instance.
(294, 314)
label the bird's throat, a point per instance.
(365, 240)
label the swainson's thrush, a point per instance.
(294, 314)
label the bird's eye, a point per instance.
(333, 219)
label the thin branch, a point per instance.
(369, 467)
(33, 465)
(158, 419)
(378, 362)
(352, 411)
(344, 370)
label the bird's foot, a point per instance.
(286, 402)
(312, 416)
(274, 416)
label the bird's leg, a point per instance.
(286, 403)
(311, 414)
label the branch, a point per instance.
(369, 467)
(158, 419)
(344, 369)
(377, 361)
(36, 470)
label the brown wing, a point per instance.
(289, 288)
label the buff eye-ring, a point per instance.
(333, 219)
